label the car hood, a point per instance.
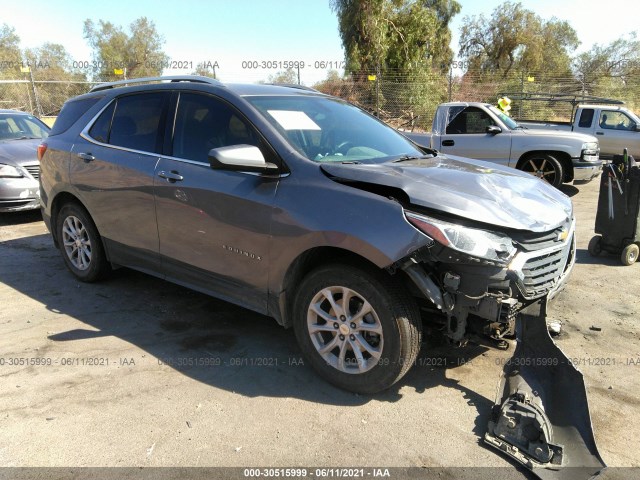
(539, 132)
(472, 189)
(19, 152)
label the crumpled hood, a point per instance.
(472, 189)
(19, 152)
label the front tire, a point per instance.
(80, 244)
(358, 328)
(544, 166)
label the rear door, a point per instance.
(113, 166)
(213, 225)
(466, 135)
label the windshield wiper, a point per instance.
(407, 157)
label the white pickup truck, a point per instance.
(615, 126)
(481, 131)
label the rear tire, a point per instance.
(365, 345)
(80, 244)
(630, 254)
(595, 248)
(544, 166)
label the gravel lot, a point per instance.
(138, 372)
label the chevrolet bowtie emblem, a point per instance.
(562, 236)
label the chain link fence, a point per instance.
(410, 101)
(402, 100)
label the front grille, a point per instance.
(34, 170)
(542, 272)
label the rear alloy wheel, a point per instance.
(358, 328)
(630, 254)
(80, 244)
(544, 166)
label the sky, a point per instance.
(240, 34)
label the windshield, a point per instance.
(506, 119)
(330, 130)
(19, 127)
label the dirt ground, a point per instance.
(137, 372)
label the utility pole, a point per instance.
(35, 92)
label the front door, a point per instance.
(213, 225)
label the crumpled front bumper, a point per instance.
(541, 415)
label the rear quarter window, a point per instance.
(71, 112)
(586, 118)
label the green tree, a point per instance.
(515, 38)
(611, 70)
(139, 51)
(288, 76)
(207, 69)
(380, 35)
(51, 63)
(10, 58)
(397, 41)
(440, 53)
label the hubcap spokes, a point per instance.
(77, 245)
(345, 329)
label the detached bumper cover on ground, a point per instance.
(541, 416)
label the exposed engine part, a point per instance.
(541, 415)
(457, 324)
(426, 285)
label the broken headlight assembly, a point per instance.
(475, 242)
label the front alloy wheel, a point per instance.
(357, 327)
(544, 166)
(345, 329)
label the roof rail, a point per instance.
(169, 78)
(294, 85)
(571, 98)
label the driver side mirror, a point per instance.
(240, 158)
(637, 128)
(493, 130)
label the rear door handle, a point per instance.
(87, 157)
(599, 133)
(448, 143)
(171, 176)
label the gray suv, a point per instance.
(303, 207)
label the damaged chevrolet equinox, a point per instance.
(303, 207)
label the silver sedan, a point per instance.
(20, 135)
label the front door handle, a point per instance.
(448, 143)
(87, 157)
(171, 176)
(599, 133)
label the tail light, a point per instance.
(41, 149)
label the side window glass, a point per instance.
(136, 122)
(203, 122)
(100, 129)
(471, 120)
(613, 120)
(586, 117)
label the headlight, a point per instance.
(472, 241)
(7, 171)
(590, 151)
